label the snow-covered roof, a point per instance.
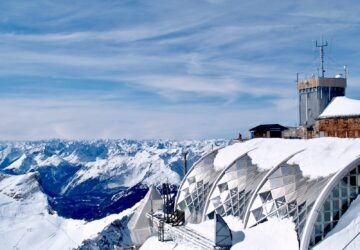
(341, 106)
(316, 157)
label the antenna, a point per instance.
(321, 46)
(345, 71)
(297, 77)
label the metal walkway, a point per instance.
(183, 234)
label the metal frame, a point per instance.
(305, 239)
(261, 184)
(197, 196)
(222, 173)
(191, 169)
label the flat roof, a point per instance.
(322, 82)
(268, 127)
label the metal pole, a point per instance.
(297, 77)
(321, 46)
(185, 163)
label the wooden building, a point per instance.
(267, 131)
(340, 119)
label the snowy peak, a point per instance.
(96, 178)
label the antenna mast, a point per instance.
(321, 46)
(345, 71)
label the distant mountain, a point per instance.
(92, 179)
(47, 188)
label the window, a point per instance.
(336, 205)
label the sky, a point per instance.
(189, 69)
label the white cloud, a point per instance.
(225, 50)
(45, 118)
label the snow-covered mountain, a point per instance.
(28, 222)
(91, 179)
(56, 194)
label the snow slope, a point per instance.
(48, 188)
(316, 157)
(27, 221)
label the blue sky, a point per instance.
(164, 69)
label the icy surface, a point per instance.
(316, 157)
(346, 234)
(341, 106)
(27, 222)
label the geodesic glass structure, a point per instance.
(242, 189)
(284, 193)
(233, 189)
(195, 187)
(335, 205)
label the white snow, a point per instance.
(316, 157)
(153, 243)
(144, 161)
(206, 228)
(53, 160)
(27, 224)
(230, 153)
(16, 164)
(346, 233)
(275, 234)
(124, 162)
(341, 106)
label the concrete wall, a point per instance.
(313, 101)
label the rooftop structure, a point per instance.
(340, 119)
(267, 131)
(317, 92)
(314, 96)
(311, 181)
(341, 107)
(139, 225)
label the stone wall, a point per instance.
(344, 127)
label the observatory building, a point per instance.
(313, 182)
(316, 93)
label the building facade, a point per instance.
(254, 194)
(314, 96)
(343, 127)
(340, 119)
(267, 131)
